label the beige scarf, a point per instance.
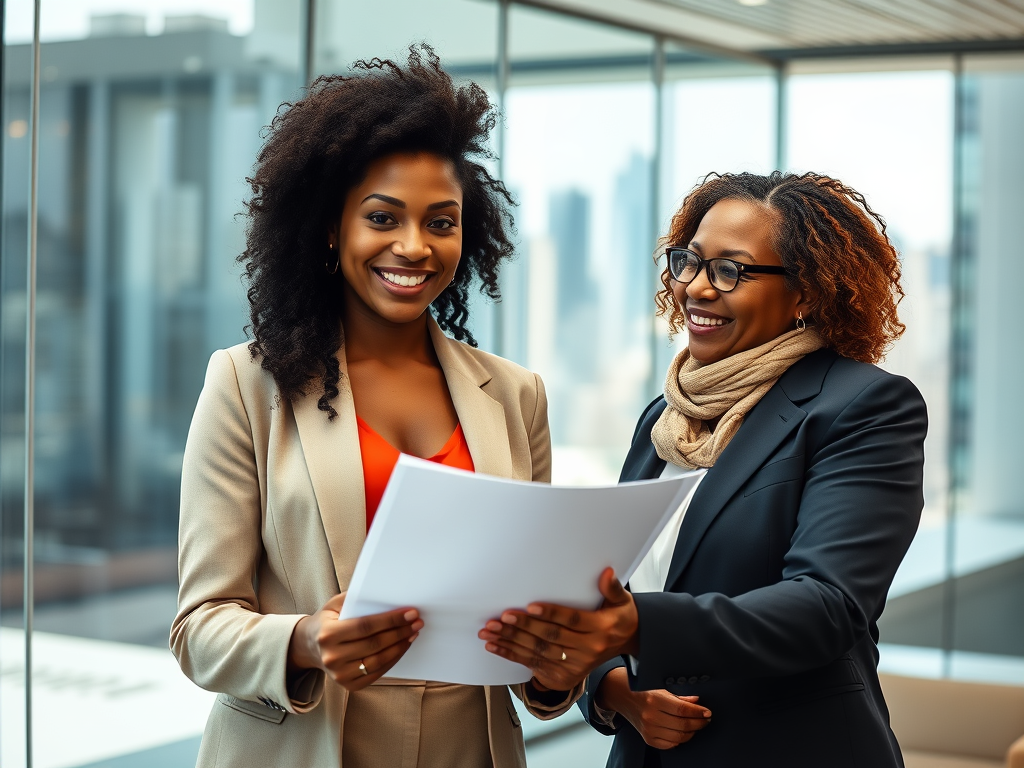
(698, 393)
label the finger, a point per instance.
(562, 616)
(548, 640)
(348, 630)
(612, 590)
(335, 603)
(654, 718)
(557, 675)
(678, 706)
(367, 646)
(675, 741)
(375, 665)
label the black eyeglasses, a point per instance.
(723, 274)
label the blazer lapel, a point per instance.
(331, 451)
(643, 462)
(482, 418)
(765, 427)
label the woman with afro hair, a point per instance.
(748, 636)
(371, 219)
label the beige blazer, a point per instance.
(272, 521)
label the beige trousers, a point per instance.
(416, 724)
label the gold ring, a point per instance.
(362, 667)
(563, 655)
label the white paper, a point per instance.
(462, 547)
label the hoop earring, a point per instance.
(801, 324)
(337, 262)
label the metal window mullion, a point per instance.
(502, 73)
(28, 597)
(781, 109)
(309, 37)
(959, 370)
(658, 81)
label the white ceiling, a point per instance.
(758, 25)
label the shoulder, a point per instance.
(826, 379)
(849, 380)
(485, 366)
(238, 369)
(860, 397)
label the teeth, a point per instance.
(404, 280)
(706, 320)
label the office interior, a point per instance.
(145, 117)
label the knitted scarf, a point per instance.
(698, 393)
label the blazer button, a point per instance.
(693, 680)
(705, 678)
(670, 681)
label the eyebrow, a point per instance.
(727, 253)
(443, 204)
(401, 204)
(385, 198)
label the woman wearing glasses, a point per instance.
(748, 636)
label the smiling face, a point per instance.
(399, 236)
(760, 308)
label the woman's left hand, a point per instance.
(562, 645)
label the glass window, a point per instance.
(578, 154)
(718, 116)
(988, 548)
(889, 135)
(463, 32)
(150, 119)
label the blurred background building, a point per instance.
(150, 117)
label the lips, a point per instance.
(402, 282)
(702, 322)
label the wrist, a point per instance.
(536, 685)
(300, 653)
(612, 690)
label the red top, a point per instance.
(380, 457)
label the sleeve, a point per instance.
(602, 720)
(540, 436)
(221, 639)
(547, 705)
(859, 511)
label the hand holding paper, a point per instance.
(562, 645)
(462, 548)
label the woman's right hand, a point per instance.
(376, 642)
(663, 719)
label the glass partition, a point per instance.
(15, 163)
(578, 154)
(719, 116)
(890, 136)
(986, 555)
(150, 119)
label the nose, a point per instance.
(700, 287)
(411, 245)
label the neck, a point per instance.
(370, 336)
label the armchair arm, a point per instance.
(1015, 754)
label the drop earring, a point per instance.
(801, 324)
(337, 261)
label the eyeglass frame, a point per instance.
(754, 269)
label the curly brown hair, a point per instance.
(315, 151)
(831, 241)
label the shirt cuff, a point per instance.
(634, 664)
(305, 690)
(545, 705)
(605, 716)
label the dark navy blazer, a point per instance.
(780, 573)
